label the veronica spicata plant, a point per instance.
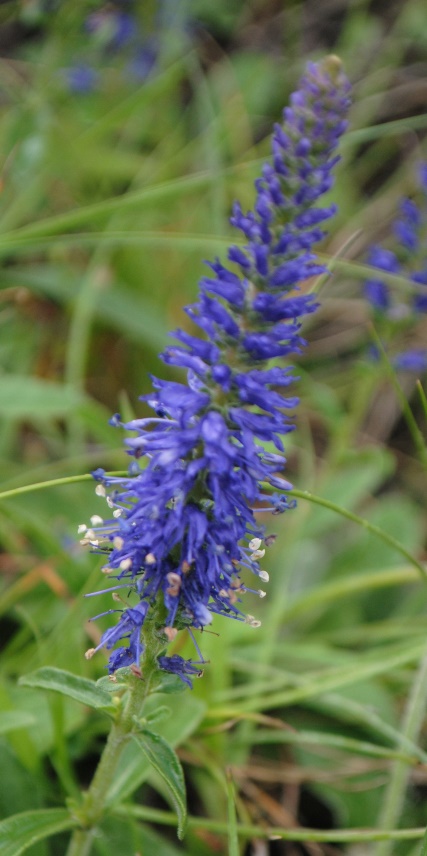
(184, 528)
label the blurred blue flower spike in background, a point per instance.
(407, 259)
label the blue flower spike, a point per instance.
(407, 259)
(184, 529)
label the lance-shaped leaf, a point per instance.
(78, 688)
(165, 761)
(21, 831)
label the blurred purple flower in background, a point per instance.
(408, 259)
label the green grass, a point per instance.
(311, 728)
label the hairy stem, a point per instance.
(95, 800)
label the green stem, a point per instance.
(361, 521)
(411, 727)
(29, 488)
(350, 836)
(416, 434)
(95, 800)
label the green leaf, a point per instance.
(23, 397)
(170, 684)
(233, 838)
(10, 720)
(134, 768)
(165, 761)
(19, 832)
(161, 713)
(80, 689)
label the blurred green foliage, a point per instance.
(112, 194)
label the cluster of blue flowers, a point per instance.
(408, 260)
(184, 527)
(114, 31)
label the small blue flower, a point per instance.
(411, 361)
(183, 529)
(81, 79)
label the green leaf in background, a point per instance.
(80, 689)
(19, 832)
(164, 760)
(233, 838)
(24, 397)
(10, 720)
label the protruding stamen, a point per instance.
(252, 621)
(89, 653)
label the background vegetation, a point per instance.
(119, 164)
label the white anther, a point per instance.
(106, 570)
(96, 520)
(224, 593)
(100, 490)
(252, 621)
(82, 528)
(90, 534)
(94, 542)
(84, 542)
(173, 578)
(264, 576)
(110, 502)
(118, 542)
(258, 554)
(255, 543)
(116, 597)
(117, 512)
(150, 559)
(125, 564)
(262, 593)
(89, 653)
